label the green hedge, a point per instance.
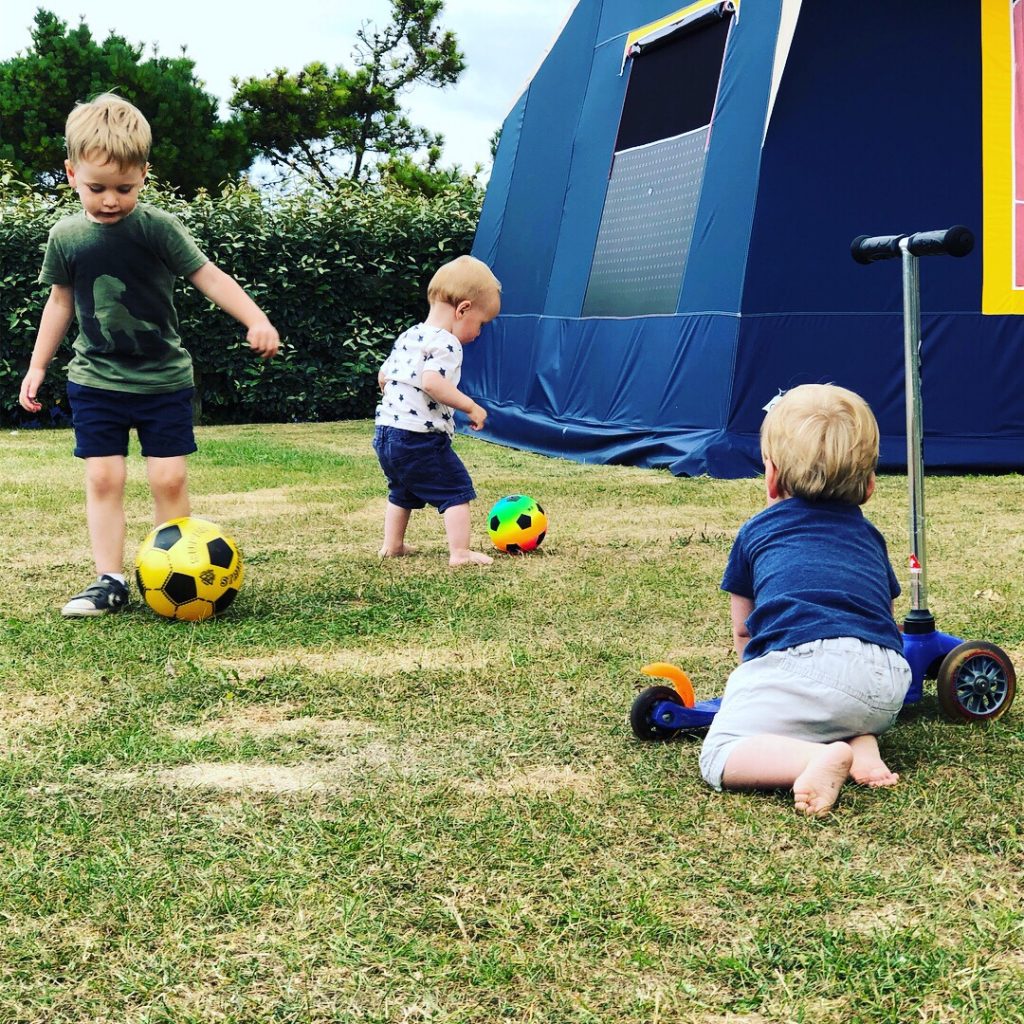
(339, 274)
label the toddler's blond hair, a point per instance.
(464, 278)
(823, 442)
(111, 127)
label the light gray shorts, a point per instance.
(823, 691)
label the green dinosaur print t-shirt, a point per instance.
(123, 280)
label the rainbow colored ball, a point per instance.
(517, 523)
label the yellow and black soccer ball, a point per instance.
(188, 569)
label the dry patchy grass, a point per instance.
(389, 792)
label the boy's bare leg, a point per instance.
(814, 771)
(396, 520)
(104, 511)
(168, 483)
(868, 768)
(457, 526)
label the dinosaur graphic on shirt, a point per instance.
(121, 330)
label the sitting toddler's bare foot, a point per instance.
(868, 768)
(874, 773)
(469, 558)
(386, 552)
(817, 787)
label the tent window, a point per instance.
(657, 174)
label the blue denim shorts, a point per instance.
(103, 418)
(422, 469)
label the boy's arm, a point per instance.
(53, 325)
(740, 609)
(224, 291)
(444, 391)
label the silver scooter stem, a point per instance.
(915, 438)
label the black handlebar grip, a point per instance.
(868, 248)
(954, 241)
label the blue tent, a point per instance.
(671, 210)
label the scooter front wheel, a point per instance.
(976, 682)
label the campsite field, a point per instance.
(398, 793)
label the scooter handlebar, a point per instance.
(955, 241)
(868, 248)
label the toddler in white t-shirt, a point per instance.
(419, 395)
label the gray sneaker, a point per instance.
(105, 595)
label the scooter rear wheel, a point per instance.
(641, 714)
(976, 682)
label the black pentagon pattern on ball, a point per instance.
(495, 522)
(224, 600)
(539, 507)
(220, 552)
(166, 538)
(540, 539)
(512, 549)
(180, 588)
(523, 522)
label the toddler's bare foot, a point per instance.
(817, 787)
(868, 768)
(874, 773)
(386, 552)
(469, 558)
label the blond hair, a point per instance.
(464, 278)
(111, 127)
(823, 441)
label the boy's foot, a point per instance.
(401, 552)
(868, 768)
(817, 787)
(469, 558)
(875, 774)
(99, 598)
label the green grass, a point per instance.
(400, 793)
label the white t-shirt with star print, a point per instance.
(404, 403)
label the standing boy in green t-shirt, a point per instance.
(112, 266)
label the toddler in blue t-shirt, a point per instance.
(822, 671)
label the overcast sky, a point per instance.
(503, 40)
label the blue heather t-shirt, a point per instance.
(814, 570)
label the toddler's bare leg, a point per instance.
(814, 771)
(868, 767)
(457, 526)
(168, 483)
(104, 510)
(396, 519)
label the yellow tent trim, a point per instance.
(998, 295)
(669, 19)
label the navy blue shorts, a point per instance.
(422, 469)
(103, 418)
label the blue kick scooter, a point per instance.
(974, 680)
